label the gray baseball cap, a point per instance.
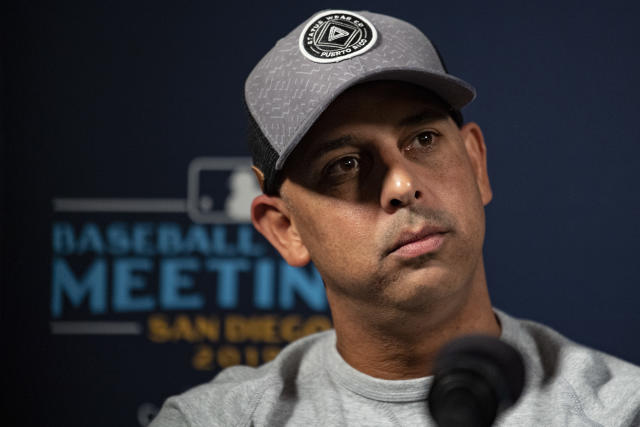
(334, 50)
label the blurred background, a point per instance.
(130, 271)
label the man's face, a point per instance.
(387, 195)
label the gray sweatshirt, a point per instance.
(309, 384)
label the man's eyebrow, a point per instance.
(422, 117)
(328, 146)
(324, 147)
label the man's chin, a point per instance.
(421, 289)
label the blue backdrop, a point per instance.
(129, 271)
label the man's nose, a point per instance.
(399, 188)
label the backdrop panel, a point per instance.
(130, 270)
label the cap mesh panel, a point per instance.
(264, 156)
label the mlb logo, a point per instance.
(220, 190)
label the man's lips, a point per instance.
(418, 242)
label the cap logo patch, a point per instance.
(336, 35)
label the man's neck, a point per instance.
(394, 345)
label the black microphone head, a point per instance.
(475, 378)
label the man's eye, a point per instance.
(342, 167)
(423, 141)
(425, 138)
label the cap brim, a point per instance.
(454, 91)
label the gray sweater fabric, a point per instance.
(309, 384)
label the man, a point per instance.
(368, 171)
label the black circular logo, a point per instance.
(336, 35)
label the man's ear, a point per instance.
(271, 217)
(477, 152)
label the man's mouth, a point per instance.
(412, 243)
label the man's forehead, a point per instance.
(397, 103)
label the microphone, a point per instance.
(475, 378)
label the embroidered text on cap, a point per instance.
(336, 35)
